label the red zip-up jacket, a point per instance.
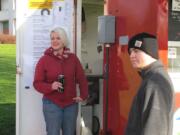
(47, 70)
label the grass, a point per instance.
(7, 89)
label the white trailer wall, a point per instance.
(33, 27)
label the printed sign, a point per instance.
(38, 24)
(176, 5)
(174, 21)
(172, 53)
(40, 4)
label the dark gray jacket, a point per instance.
(152, 109)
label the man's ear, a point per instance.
(164, 5)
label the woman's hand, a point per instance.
(78, 99)
(56, 85)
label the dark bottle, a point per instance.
(61, 80)
(87, 66)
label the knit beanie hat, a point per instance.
(146, 43)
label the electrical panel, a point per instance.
(106, 29)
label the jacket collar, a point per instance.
(157, 64)
(65, 54)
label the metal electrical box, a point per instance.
(106, 29)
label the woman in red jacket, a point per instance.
(60, 100)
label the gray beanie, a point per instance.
(146, 43)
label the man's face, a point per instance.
(138, 58)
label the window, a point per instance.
(174, 38)
(6, 27)
(0, 5)
(174, 56)
(14, 4)
(4, 5)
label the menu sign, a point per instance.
(174, 20)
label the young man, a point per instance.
(152, 109)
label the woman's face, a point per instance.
(56, 41)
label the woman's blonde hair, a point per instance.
(62, 34)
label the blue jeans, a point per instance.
(57, 118)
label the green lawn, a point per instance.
(7, 89)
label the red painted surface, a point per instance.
(132, 16)
(177, 99)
